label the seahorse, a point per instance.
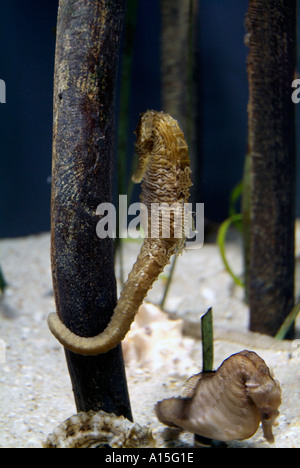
(99, 430)
(228, 403)
(164, 168)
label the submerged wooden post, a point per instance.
(179, 69)
(87, 49)
(269, 194)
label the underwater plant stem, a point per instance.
(86, 59)
(235, 195)
(3, 283)
(271, 164)
(221, 239)
(207, 341)
(169, 281)
(288, 322)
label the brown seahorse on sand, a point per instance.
(164, 167)
(228, 403)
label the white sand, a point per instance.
(35, 390)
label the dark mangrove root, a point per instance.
(164, 168)
(87, 52)
(270, 170)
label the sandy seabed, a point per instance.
(35, 389)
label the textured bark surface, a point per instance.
(270, 176)
(87, 49)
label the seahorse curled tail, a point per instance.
(165, 171)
